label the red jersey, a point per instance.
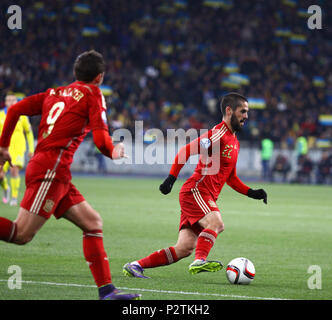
(219, 149)
(68, 113)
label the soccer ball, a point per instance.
(240, 271)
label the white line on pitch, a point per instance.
(149, 290)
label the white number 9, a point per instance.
(53, 115)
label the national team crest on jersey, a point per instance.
(48, 205)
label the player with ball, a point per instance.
(201, 221)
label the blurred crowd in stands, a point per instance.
(307, 170)
(169, 62)
(295, 167)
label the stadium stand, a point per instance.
(169, 62)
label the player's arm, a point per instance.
(180, 159)
(29, 106)
(193, 148)
(99, 127)
(29, 135)
(202, 145)
(105, 145)
(235, 183)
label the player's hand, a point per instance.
(5, 156)
(167, 185)
(119, 152)
(258, 194)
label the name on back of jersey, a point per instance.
(69, 92)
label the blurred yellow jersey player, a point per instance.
(17, 150)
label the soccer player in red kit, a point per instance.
(68, 113)
(201, 221)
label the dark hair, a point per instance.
(88, 65)
(232, 100)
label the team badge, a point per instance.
(48, 205)
(205, 143)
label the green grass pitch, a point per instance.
(283, 239)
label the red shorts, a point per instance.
(49, 195)
(195, 204)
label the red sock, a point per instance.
(159, 258)
(96, 257)
(205, 243)
(7, 230)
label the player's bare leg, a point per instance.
(27, 224)
(23, 229)
(15, 182)
(212, 225)
(84, 217)
(5, 186)
(184, 247)
(90, 222)
(212, 221)
(186, 243)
